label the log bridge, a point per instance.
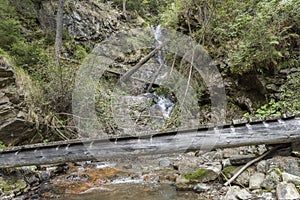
(271, 130)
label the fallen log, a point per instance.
(181, 140)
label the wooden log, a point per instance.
(272, 132)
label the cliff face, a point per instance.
(14, 128)
(86, 21)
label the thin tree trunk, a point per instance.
(124, 8)
(59, 27)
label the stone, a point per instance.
(262, 166)
(226, 163)
(244, 177)
(165, 163)
(182, 184)
(286, 191)
(201, 187)
(205, 173)
(290, 178)
(232, 193)
(296, 149)
(288, 164)
(267, 196)
(271, 180)
(243, 194)
(256, 181)
(241, 159)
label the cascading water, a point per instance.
(165, 103)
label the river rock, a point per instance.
(288, 164)
(256, 181)
(232, 193)
(290, 178)
(205, 173)
(244, 177)
(267, 196)
(241, 159)
(262, 166)
(286, 191)
(201, 187)
(271, 180)
(183, 184)
(243, 194)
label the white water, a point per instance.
(165, 104)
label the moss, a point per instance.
(229, 171)
(196, 175)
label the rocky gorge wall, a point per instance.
(15, 129)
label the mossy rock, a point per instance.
(229, 171)
(201, 175)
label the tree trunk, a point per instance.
(59, 27)
(124, 7)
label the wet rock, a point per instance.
(183, 184)
(201, 187)
(243, 194)
(164, 163)
(290, 178)
(256, 181)
(286, 191)
(271, 180)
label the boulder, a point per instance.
(286, 191)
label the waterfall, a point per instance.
(165, 103)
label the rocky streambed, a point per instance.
(199, 175)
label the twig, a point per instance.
(250, 163)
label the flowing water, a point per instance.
(134, 192)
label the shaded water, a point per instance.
(134, 192)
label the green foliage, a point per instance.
(248, 36)
(290, 96)
(28, 56)
(9, 33)
(289, 100)
(2, 146)
(272, 108)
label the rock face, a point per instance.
(14, 128)
(90, 21)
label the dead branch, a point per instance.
(140, 64)
(250, 163)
